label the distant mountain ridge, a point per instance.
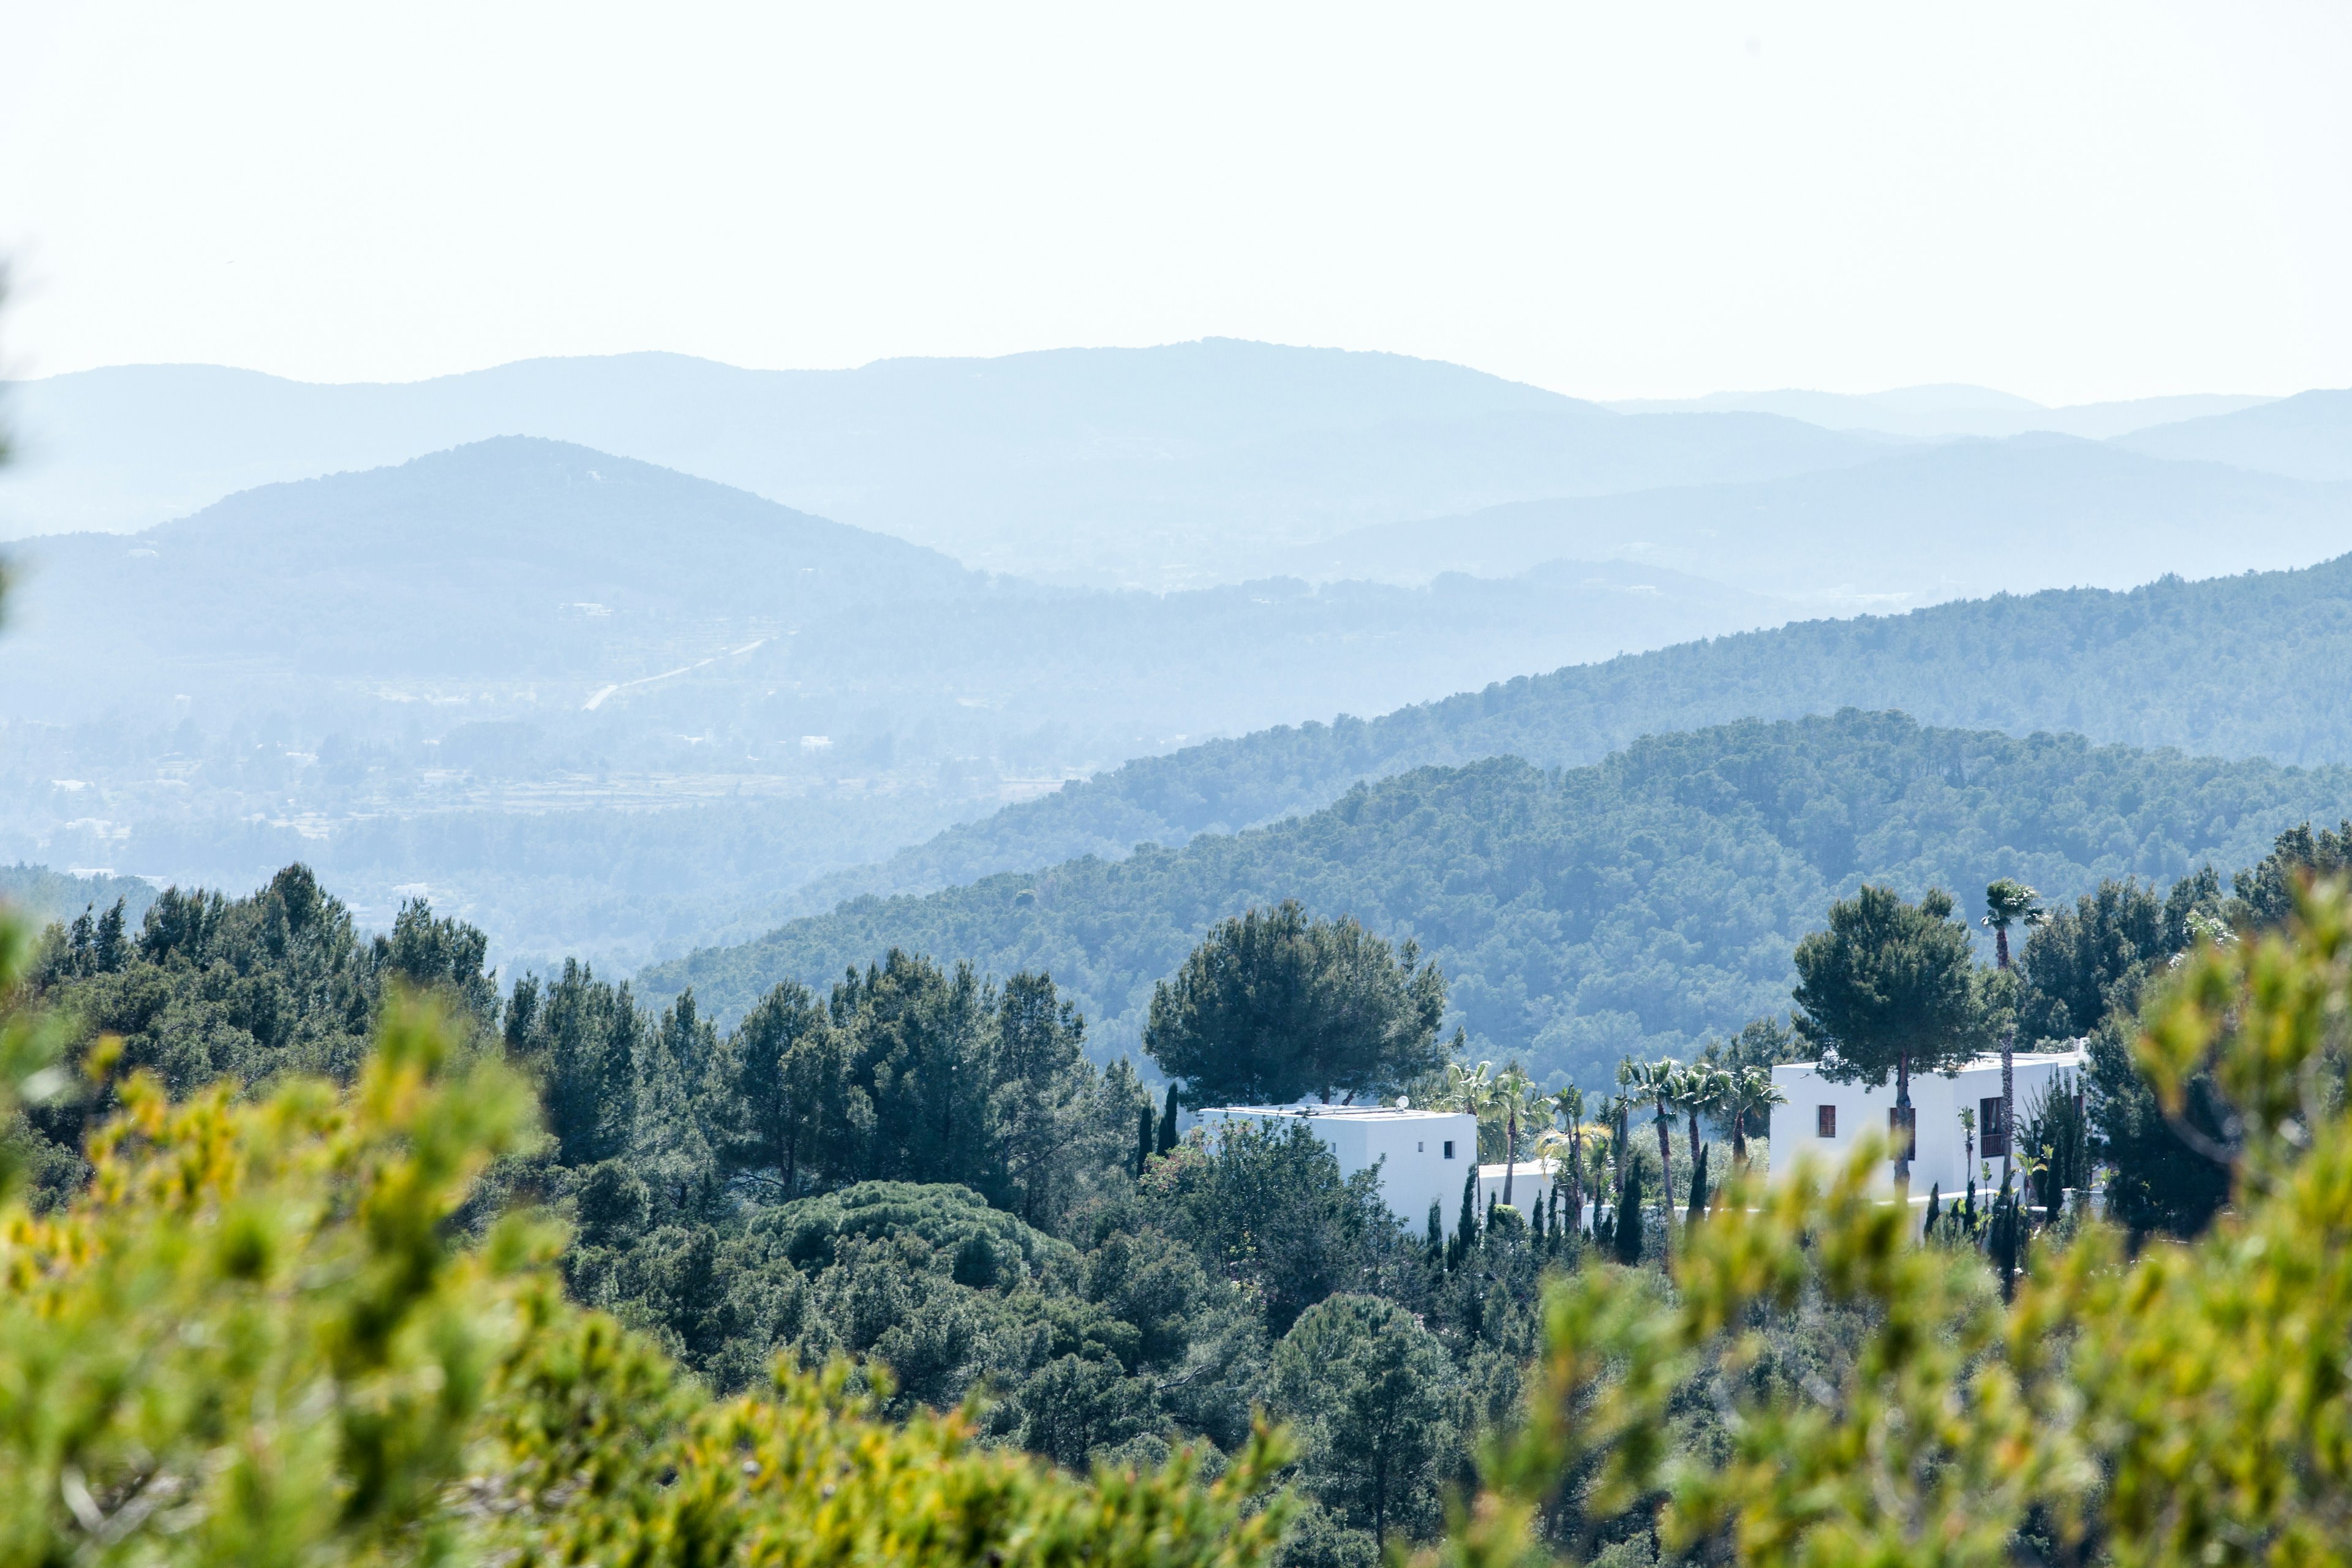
(515, 556)
(1157, 466)
(1944, 413)
(1961, 520)
(2306, 437)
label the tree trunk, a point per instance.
(1666, 1173)
(1739, 1143)
(2008, 1059)
(1510, 1150)
(1903, 1128)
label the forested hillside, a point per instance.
(2235, 667)
(1632, 908)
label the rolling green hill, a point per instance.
(2249, 665)
(1636, 906)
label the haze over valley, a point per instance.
(615, 710)
(1277, 787)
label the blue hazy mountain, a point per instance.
(516, 557)
(1917, 527)
(1944, 413)
(1160, 466)
(2306, 437)
(600, 706)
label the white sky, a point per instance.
(2071, 201)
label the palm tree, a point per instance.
(1746, 1092)
(1704, 1085)
(1514, 1097)
(1471, 1090)
(2008, 903)
(1570, 1105)
(1661, 1082)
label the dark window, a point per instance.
(1449, 1148)
(1825, 1122)
(1992, 1136)
(1903, 1131)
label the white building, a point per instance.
(1824, 1119)
(1424, 1155)
(1531, 1183)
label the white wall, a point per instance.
(1530, 1184)
(1936, 1103)
(1411, 1147)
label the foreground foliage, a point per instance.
(2188, 1406)
(251, 1339)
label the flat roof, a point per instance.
(1980, 1063)
(1336, 1113)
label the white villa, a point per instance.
(1823, 1119)
(1422, 1154)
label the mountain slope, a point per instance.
(1969, 518)
(2306, 437)
(1636, 906)
(1158, 466)
(511, 557)
(2238, 667)
(603, 708)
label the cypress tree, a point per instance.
(1466, 1230)
(2005, 1239)
(1490, 1217)
(1543, 1227)
(1629, 1216)
(1168, 1123)
(1698, 1185)
(1436, 1231)
(1143, 1129)
(1935, 1205)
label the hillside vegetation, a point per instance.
(2173, 664)
(1635, 907)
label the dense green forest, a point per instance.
(2169, 664)
(1637, 907)
(922, 1169)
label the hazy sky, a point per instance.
(2071, 201)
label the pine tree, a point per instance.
(1037, 1107)
(1466, 1229)
(2004, 1229)
(1629, 1216)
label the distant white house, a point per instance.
(1425, 1156)
(1531, 1183)
(1824, 1119)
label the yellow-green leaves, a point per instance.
(254, 1339)
(2192, 1404)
